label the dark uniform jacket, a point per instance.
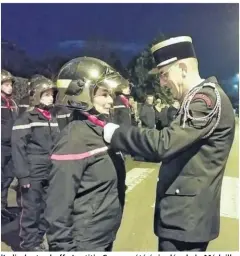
(122, 110)
(24, 104)
(33, 136)
(133, 118)
(189, 184)
(147, 116)
(87, 190)
(9, 112)
(63, 114)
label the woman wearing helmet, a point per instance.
(24, 102)
(33, 135)
(9, 111)
(87, 179)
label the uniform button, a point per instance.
(177, 191)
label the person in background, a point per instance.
(147, 113)
(172, 112)
(9, 112)
(165, 116)
(121, 105)
(33, 135)
(133, 107)
(158, 105)
(24, 102)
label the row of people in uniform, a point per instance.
(31, 135)
(78, 201)
(155, 114)
(10, 113)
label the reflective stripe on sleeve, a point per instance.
(71, 157)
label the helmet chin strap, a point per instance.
(91, 114)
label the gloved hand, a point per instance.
(26, 186)
(24, 182)
(108, 131)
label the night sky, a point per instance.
(38, 28)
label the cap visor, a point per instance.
(154, 71)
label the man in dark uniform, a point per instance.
(9, 111)
(193, 150)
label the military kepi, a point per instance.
(171, 50)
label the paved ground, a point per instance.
(136, 232)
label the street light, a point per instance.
(235, 86)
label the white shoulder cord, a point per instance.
(216, 110)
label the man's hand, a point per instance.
(108, 131)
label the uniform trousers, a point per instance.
(32, 223)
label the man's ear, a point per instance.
(183, 68)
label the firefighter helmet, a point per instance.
(38, 87)
(6, 76)
(32, 81)
(79, 79)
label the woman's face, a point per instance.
(47, 97)
(102, 101)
